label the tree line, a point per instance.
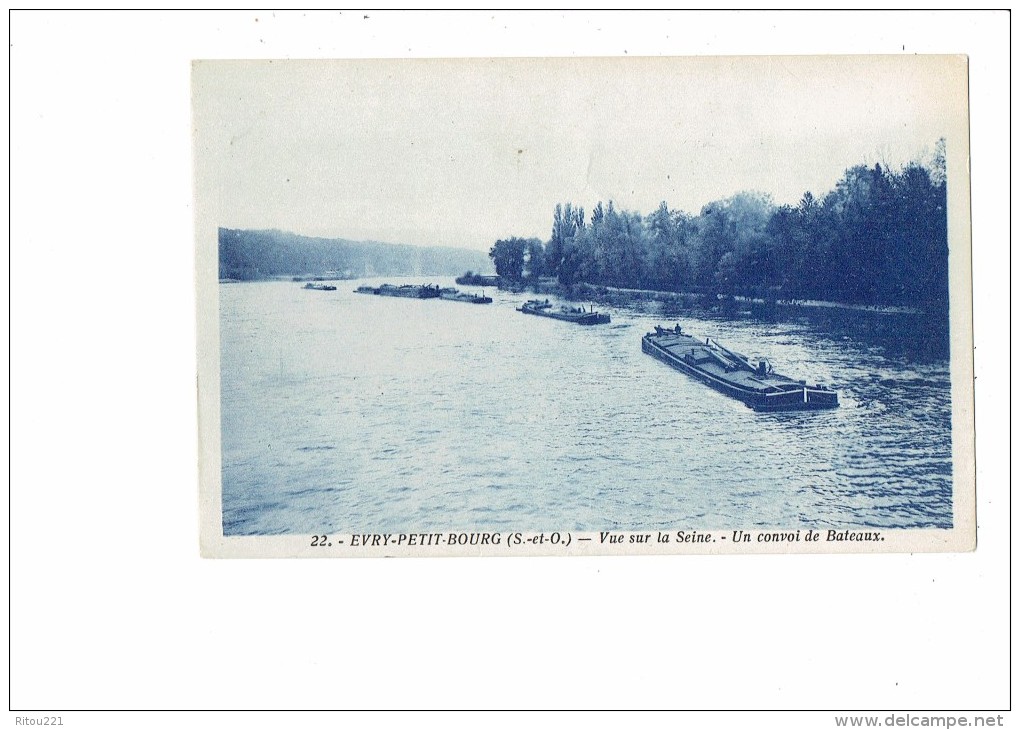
(878, 238)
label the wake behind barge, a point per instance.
(732, 374)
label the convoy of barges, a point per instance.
(749, 380)
(424, 291)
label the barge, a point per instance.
(411, 291)
(454, 295)
(731, 373)
(320, 287)
(577, 315)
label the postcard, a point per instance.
(584, 306)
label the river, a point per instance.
(345, 412)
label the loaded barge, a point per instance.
(426, 291)
(412, 291)
(577, 315)
(733, 374)
(320, 287)
(454, 295)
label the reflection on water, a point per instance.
(345, 412)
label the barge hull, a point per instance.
(795, 397)
(582, 318)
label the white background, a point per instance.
(111, 607)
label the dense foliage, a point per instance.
(878, 238)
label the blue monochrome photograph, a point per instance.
(584, 306)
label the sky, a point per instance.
(462, 152)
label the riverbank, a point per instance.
(610, 295)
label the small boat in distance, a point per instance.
(320, 287)
(577, 315)
(454, 295)
(733, 374)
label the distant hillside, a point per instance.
(252, 255)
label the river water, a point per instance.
(345, 412)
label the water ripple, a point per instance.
(405, 414)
